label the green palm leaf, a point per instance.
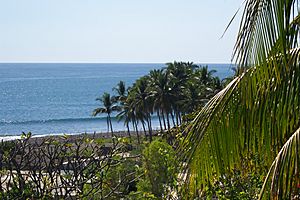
(259, 110)
(98, 111)
(285, 177)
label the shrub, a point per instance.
(160, 169)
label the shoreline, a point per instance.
(5, 138)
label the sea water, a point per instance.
(59, 98)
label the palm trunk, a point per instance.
(111, 128)
(136, 131)
(179, 117)
(107, 122)
(150, 122)
(164, 120)
(149, 127)
(112, 132)
(176, 116)
(168, 121)
(172, 117)
(159, 119)
(128, 131)
(143, 124)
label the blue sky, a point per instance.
(117, 30)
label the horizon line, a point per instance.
(88, 62)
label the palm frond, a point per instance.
(99, 111)
(265, 31)
(259, 110)
(254, 114)
(116, 108)
(285, 171)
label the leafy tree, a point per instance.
(120, 177)
(160, 170)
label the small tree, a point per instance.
(160, 171)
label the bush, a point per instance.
(235, 186)
(160, 169)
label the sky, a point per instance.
(117, 31)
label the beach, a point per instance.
(103, 135)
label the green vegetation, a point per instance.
(109, 106)
(169, 93)
(232, 139)
(159, 172)
(257, 113)
(86, 167)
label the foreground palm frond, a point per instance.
(285, 178)
(256, 114)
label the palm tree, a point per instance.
(154, 76)
(124, 115)
(180, 72)
(228, 79)
(109, 106)
(258, 112)
(194, 97)
(204, 75)
(130, 115)
(143, 105)
(178, 75)
(162, 95)
(121, 91)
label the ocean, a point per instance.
(59, 98)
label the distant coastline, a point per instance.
(54, 98)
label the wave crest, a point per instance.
(5, 122)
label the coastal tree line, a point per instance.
(167, 94)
